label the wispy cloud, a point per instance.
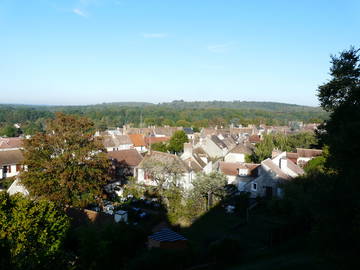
(155, 35)
(79, 12)
(219, 48)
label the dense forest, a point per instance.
(181, 113)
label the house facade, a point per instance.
(10, 163)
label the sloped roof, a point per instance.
(116, 140)
(193, 164)
(302, 152)
(11, 157)
(137, 139)
(130, 157)
(167, 131)
(12, 142)
(295, 168)
(272, 166)
(254, 138)
(241, 149)
(167, 235)
(232, 168)
(188, 130)
(218, 142)
(292, 156)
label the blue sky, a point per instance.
(94, 51)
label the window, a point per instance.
(18, 167)
(9, 169)
(254, 187)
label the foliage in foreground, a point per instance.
(31, 231)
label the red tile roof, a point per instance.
(12, 142)
(130, 157)
(254, 139)
(232, 168)
(137, 140)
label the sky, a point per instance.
(77, 52)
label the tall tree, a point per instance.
(341, 97)
(66, 164)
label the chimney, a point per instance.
(283, 163)
(188, 149)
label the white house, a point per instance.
(213, 146)
(10, 163)
(238, 153)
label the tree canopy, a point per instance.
(34, 230)
(66, 164)
(177, 140)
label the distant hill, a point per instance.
(180, 104)
(248, 105)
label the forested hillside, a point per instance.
(181, 113)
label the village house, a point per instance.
(10, 163)
(138, 141)
(238, 153)
(197, 159)
(124, 163)
(160, 161)
(151, 140)
(117, 142)
(213, 146)
(261, 180)
(189, 133)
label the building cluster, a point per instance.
(212, 149)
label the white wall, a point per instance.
(234, 157)
(211, 148)
(9, 174)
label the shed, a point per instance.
(167, 239)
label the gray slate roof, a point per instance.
(167, 235)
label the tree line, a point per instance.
(32, 118)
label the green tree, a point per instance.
(9, 131)
(209, 185)
(341, 97)
(160, 146)
(183, 123)
(33, 229)
(327, 198)
(177, 140)
(66, 164)
(166, 173)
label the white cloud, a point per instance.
(154, 35)
(219, 48)
(79, 12)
